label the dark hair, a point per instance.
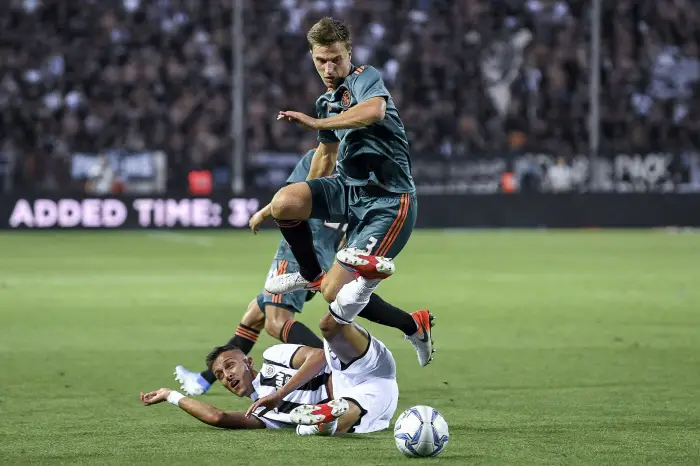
(328, 31)
(216, 352)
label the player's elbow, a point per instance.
(316, 354)
(215, 418)
(379, 110)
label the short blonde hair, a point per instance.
(328, 31)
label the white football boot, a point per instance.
(309, 415)
(365, 264)
(324, 430)
(289, 282)
(192, 382)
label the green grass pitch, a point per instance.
(552, 347)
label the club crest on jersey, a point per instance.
(269, 371)
(345, 100)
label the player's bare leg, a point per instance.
(329, 283)
(347, 342)
(292, 202)
(352, 296)
(280, 325)
(275, 320)
(336, 278)
(254, 317)
(417, 327)
(291, 208)
(349, 419)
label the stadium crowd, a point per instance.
(468, 77)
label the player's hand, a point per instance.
(299, 118)
(155, 397)
(268, 402)
(255, 221)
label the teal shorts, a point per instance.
(293, 302)
(379, 221)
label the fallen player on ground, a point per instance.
(295, 385)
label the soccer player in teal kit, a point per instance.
(362, 137)
(275, 312)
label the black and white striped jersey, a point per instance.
(276, 371)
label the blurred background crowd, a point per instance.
(468, 76)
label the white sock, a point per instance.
(352, 299)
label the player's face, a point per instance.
(332, 63)
(235, 371)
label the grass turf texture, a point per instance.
(553, 348)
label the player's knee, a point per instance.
(335, 280)
(280, 205)
(274, 328)
(292, 202)
(329, 290)
(275, 320)
(349, 419)
(254, 316)
(328, 326)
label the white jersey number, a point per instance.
(371, 244)
(336, 226)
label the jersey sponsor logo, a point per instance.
(281, 380)
(345, 100)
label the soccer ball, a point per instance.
(421, 431)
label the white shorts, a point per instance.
(370, 382)
(376, 362)
(377, 398)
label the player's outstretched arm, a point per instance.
(308, 362)
(206, 413)
(323, 162)
(363, 114)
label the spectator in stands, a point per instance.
(559, 176)
(482, 75)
